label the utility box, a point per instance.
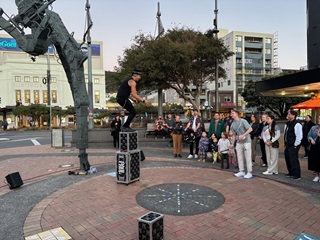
(151, 226)
(128, 166)
(128, 141)
(57, 138)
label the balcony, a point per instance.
(256, 45)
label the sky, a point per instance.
(116, 22)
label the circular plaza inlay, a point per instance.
(180, 199)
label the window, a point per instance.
(248, 61)
(35, 79)
(18, 96)
(229, 82)
(227, 99)
(268, 51)
(26, 78)
(36, 96)
(17, 78)
(86, 80)
(96, 96)
(238, 49)
(54, 96)
(239, 38)
(96, 81)
(45, 96)
(27, 96)
(268, 40)
(53, 80)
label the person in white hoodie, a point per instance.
(271, 139)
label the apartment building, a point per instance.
(255, 56)
(23, 78)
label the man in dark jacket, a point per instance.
(292, 141)
(217, 126)
(260, 134)
(305, 130)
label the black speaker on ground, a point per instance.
(14, 180)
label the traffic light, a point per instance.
(0, 99)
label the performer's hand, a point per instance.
(147, 103)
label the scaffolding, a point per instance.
(275, 51)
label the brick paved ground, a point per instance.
(99, 208)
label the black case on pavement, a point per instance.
(151, 226)
(128, 141)
(128, 166)
(14, 180)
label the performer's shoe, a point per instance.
(127, 129)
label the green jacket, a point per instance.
(220, 128)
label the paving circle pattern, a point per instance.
(180, 199)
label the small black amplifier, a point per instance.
(14, 180)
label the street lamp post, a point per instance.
(216, 31)
(48, 86)
(90, 87)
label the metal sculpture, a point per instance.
(48, 29)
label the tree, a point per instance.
(179, 59)
(35, 111)
(113, 80)
(59, 113)
(278, 105)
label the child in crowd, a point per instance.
(213, 145)
(203, 147)
(223, 149)
(232, 153)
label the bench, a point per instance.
(150, 129)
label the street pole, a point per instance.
(160, 90)
(216, 31)
(48, 86)
(90, 87)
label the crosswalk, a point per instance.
(34, 141)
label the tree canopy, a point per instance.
(179, 59)
(278, 105)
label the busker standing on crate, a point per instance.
(128, 90)
(242, 129)
(194, 125)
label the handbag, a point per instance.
(142, 157)
(275, 144)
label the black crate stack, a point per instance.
(128, 158)
(151, 226)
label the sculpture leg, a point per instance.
(84, 163)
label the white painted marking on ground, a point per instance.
(35, 142)
(4, 139)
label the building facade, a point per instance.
(23, 78)
(253, 59)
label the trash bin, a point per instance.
(57, 138)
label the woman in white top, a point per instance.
(270, 137)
